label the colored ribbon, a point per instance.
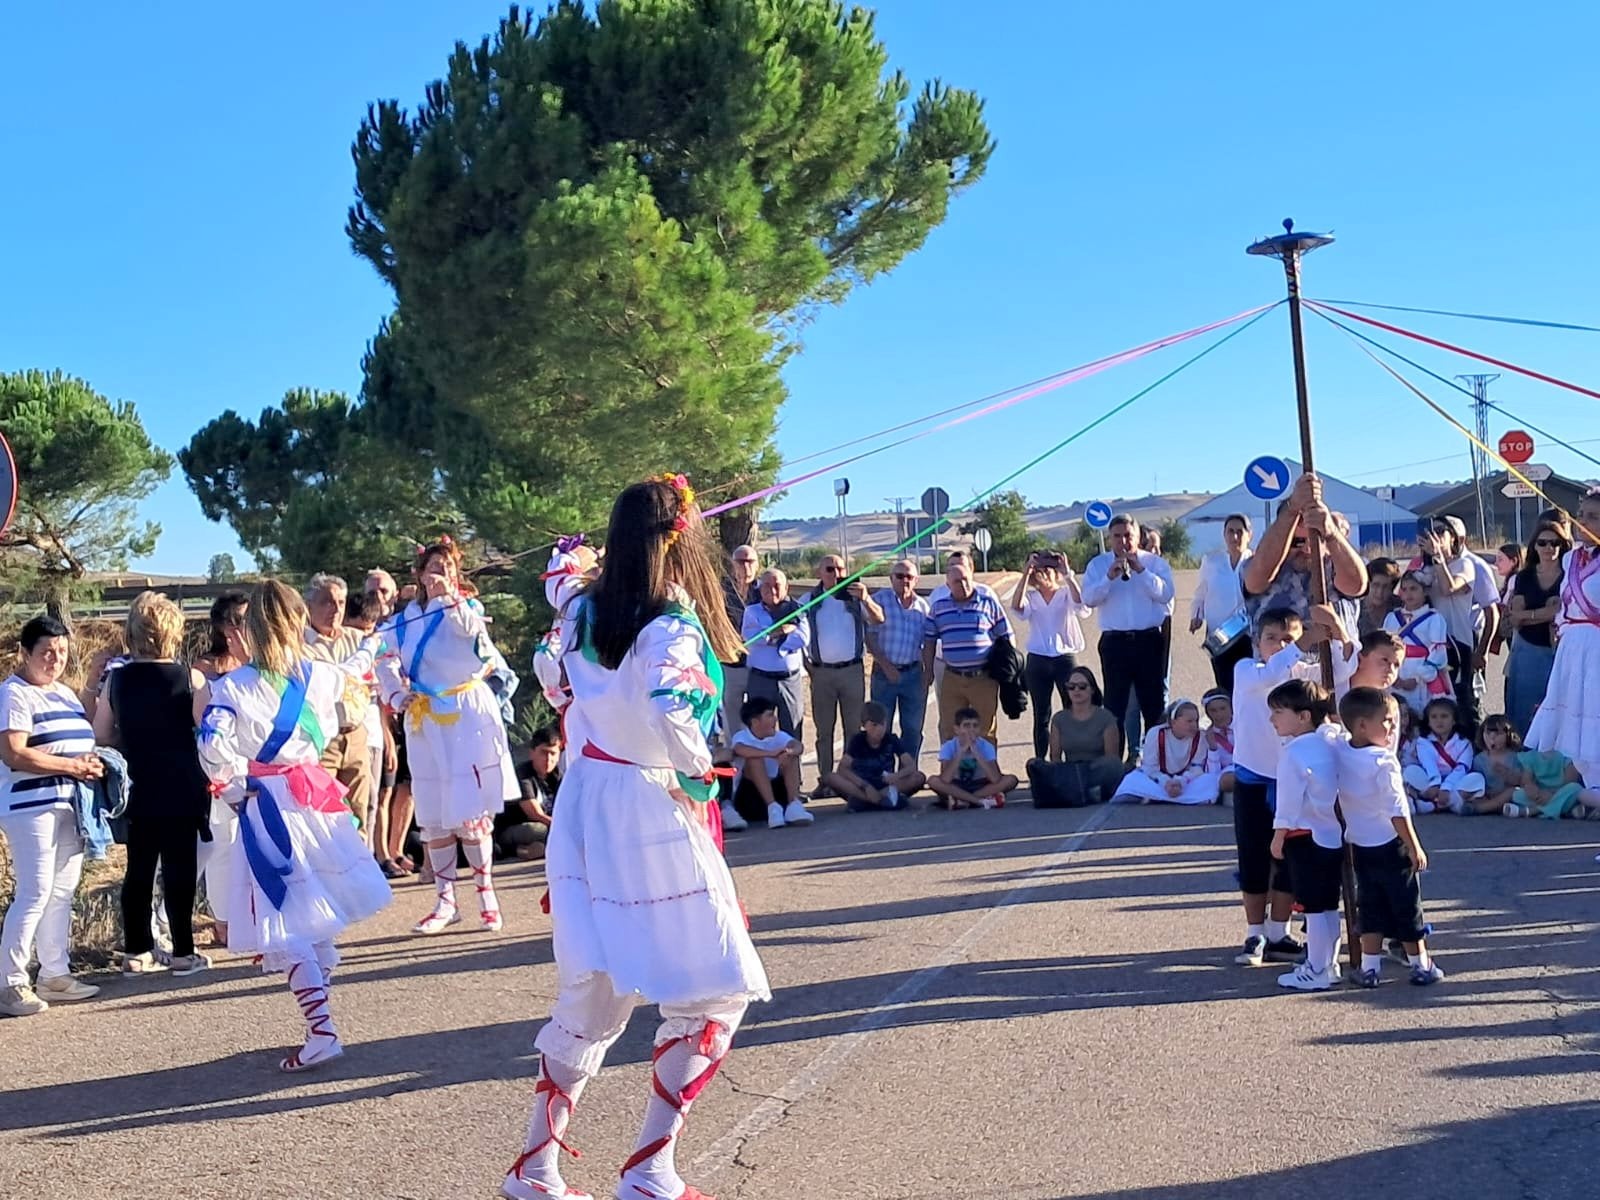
(1445, 312)
(310, 785)
(1454, 349)
(1051, 384)
(442, 708)
(269, 863)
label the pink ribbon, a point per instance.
(1072, 376)
(310, 785)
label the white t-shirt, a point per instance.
(1053, 628)
(777, 741)
(54, 722)
(1463, 612)
(1371, 794)
(1308, 784)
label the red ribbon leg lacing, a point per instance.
(681, 1101)
(552, 1093)
(313, 1002)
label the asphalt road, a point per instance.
(1017, 1004)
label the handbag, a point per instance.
(1059, 785)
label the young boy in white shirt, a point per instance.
(1378, 826)
(768, 765)
(1306, 833)
(969, 768)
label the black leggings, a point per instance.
(177, 848)
(1045, 673)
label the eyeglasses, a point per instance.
(1298, 543)
(1078, 687)
(831, 569)
(1548, 542)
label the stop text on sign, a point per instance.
(1516, 447)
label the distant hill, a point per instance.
(876, 532)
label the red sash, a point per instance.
(1161, 751)
(1444, 755)
(1415, 647)
(1223, 739)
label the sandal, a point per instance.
(393, 870)
(142, 964)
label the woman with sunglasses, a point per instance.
(1535, 601)
(1085, 752)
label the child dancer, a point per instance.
(1443, 779)
(1306, 829)
(301, 872)
(1219, 740)
(1425, 674)
(1378, 827)
(1173, 767)
(641, 903)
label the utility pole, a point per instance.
(899, 503)
(1480, 456)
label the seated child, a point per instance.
(1219, 739)
(1551, 787)
(1306, 833)
(877, 771)
(1378, 827)
(969, 768)
(1443, 779)
(767, 762)
(1425, 674)
(1499, 762)
(1172, 769)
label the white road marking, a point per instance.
(826, 1065)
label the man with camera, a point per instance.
(1133, 591)
(1048, 597)
(837, 645)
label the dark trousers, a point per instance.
(1468, 684)
(176, 847)
(1044, 674)
(1223, 664)
(1135, 663)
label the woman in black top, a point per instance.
(1535, 600)
(150, 717)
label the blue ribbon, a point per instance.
(430, 627)
(290, 705)
(269, 876)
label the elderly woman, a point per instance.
(1218, 598)
(148, 713)
(46, 748)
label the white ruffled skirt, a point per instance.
(639, 892)
(1569, 718)
(332, 882)
(460, 760)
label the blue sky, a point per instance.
(178, 177)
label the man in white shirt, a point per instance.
(838, 642)
(1463, 590)
(777, 639)
(1132, 591)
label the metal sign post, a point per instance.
(983, 540)
(936, 503)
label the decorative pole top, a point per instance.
(1289, 243)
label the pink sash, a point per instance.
(1585, 563)
(309, 784)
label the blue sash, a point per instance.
(430, 626)
(271, 871)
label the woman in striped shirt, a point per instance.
(46, 749)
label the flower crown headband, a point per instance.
(680, 484)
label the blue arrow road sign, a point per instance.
(1097, 515)
(1267, 478)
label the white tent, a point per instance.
(1374, 523)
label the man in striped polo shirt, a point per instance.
(964, 626)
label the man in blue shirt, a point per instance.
(964, 626)
(898, 680)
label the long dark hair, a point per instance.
(225, 610)
(1096, 696)
(1530, 562)
(655, 540)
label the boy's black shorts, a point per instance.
(1259, 872)
(747, 802)
(1388, 892)
(1315, 873)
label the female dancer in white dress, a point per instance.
(641, 903)
(300, 871)
(1569, 718)
(435, 670)
(1175, 767)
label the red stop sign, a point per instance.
(1516, 447)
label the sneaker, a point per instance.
(732, 822)
(20, 1001)
(189, 964)
(1286, 950)
(1254, 952)
(142, 964)
(988, 802)
(1369, 979)
(775, 816)
(891, 797)
(823, 792)
(796, 814)
(1423, 976)
(1306, 978)
(1513, 810)
(64, 987)
(1423, 807)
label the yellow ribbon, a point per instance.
(422, 706)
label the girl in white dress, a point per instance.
(300, 871)
(641, 902)
(1174, 766)
(1425, 673)
(1569, 718)
(435, 670)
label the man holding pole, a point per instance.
(1279, 574)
